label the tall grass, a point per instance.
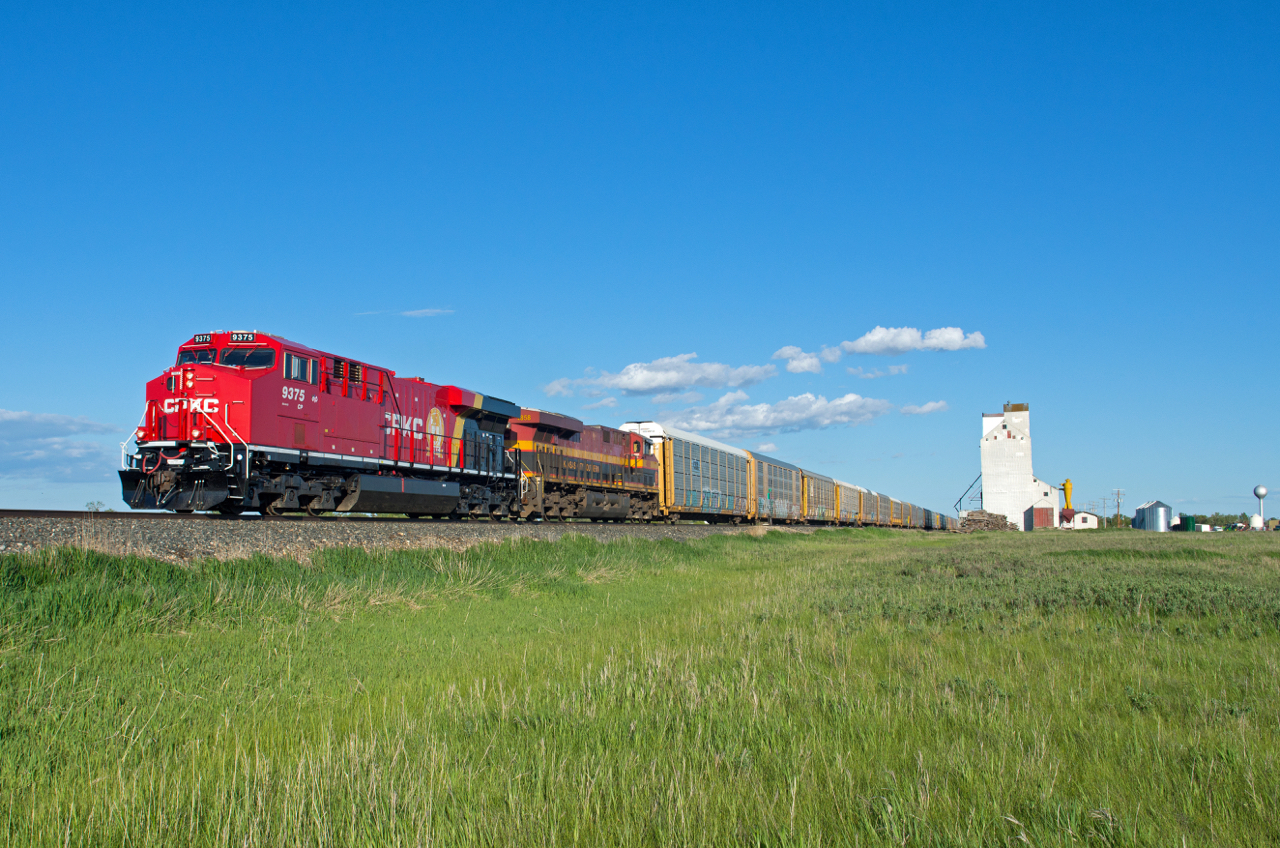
(850, 687)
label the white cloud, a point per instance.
(426, 313)
(42, 425)
(47, 446)
(829, 354)
(893, 371)
(766, 447)
(563, 386)
(798, 361)
(931, 406)
(891, 341)
(668, 375)
(603, 402)
(677, 397)
(729, 416)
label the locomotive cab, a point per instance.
(198, 421)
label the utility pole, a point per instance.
(1119, 493)
(1103, 513)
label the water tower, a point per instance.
(1260, 492)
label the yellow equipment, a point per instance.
(1066, 491)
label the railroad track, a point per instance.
(163, 535)
(193, 516)
(213, 516)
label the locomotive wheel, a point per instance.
(313, 510)
(269, 509)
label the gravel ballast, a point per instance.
(177, 540)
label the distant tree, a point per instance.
(1220, 519)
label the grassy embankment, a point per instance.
(852, 687)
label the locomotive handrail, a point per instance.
(232, 458)
(134, 436)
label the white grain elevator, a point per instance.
(1009, 487)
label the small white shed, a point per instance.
(1084, 521)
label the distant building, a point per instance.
(1153, 515)
(1084, 521)
(1008, 486)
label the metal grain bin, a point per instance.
(1153, 515)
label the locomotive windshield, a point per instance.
(248, 357)
(203, 356)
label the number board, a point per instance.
(243, 337)
(202, 338)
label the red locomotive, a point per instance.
(254, 421)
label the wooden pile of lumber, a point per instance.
(980, 519)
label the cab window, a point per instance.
(248, 357)
(203, 356)
(301, 368)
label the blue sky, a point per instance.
(568, 195)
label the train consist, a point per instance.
(251, 421)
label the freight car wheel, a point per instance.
(314, 511)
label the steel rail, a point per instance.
(190, 516)
(206, 516)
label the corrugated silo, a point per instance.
(1153, 515)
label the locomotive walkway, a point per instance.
(183, 538)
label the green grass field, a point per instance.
(855, 687)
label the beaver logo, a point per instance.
(435, 428)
